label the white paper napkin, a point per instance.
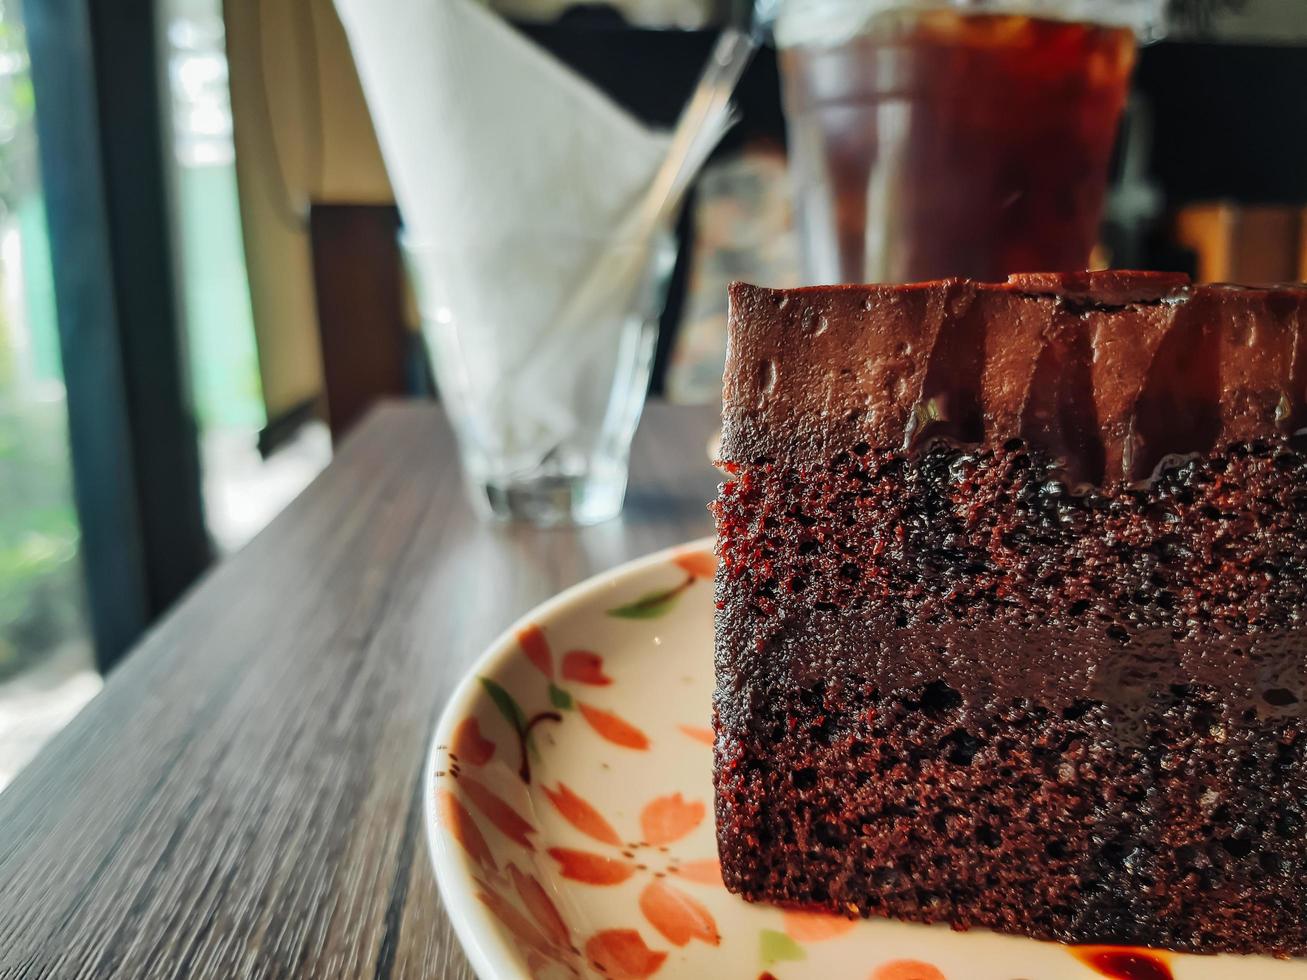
(511, 172)
(486, 135)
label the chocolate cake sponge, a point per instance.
(1012, 596)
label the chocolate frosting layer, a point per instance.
(1108, 372)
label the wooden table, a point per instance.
(243, 799)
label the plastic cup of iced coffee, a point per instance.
(930, 140)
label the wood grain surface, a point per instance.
(243, 799)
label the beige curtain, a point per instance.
(302, 134)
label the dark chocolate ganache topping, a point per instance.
(1110, 373)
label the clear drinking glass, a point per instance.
(543, 408)
(937, 139)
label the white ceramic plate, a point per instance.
(569, 813)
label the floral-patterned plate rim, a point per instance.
(568, 805)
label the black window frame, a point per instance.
(101, 127)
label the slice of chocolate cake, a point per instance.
(1013, 607)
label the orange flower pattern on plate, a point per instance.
(679, 917)
(613, 728)
(699, 734)
(534, 919)
(907, 970)
(470, 745)
(582, 815)
(814, 927)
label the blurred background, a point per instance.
(201, 288)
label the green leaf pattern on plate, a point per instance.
(506, 705)
(559, 698)
(651, 605)
(775, 946)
